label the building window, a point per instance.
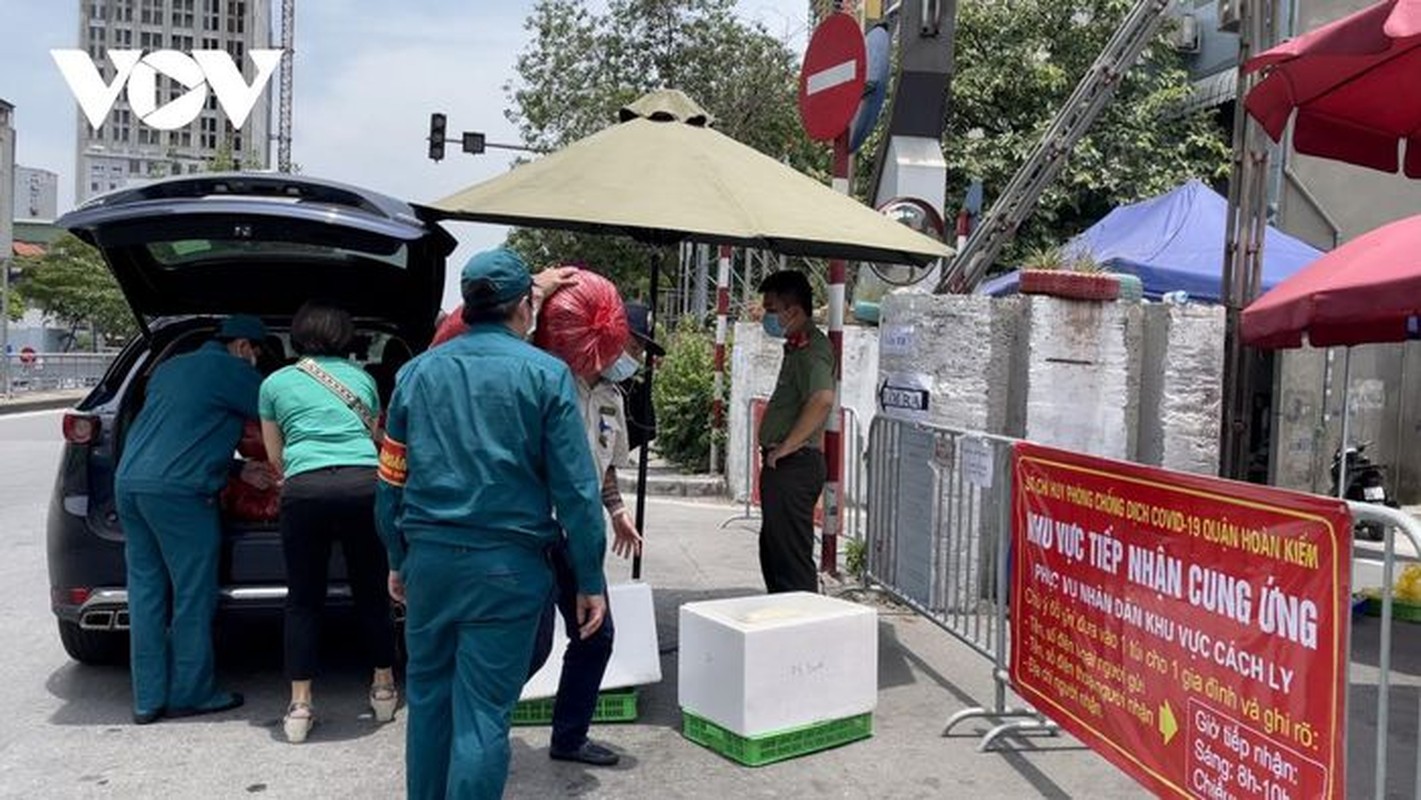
(209, 43)
(96, 10)
(183, 43)
(151, 12)
(209, 134)
(123, 37)
(123, 12)
(185, 138)
(211, 15)
(237, 143)
(134, 165)
(94, 186)
(236, 50)
(96, 34)
(182, 13)
(149, 40)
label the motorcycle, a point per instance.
(1366, 483)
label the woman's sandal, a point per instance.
(383, 700)
(299, 720)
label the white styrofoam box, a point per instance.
(636, 655)
(755, 665)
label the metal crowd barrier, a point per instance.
(939, 533)
(939, 528)
(50, 372)
(1394, 520)
(851, 483)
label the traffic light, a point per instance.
(436, 136)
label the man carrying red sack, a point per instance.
(586, 325)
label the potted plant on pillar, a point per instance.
(1078, 276)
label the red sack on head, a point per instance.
(584, 324)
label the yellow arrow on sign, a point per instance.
(1167, 726)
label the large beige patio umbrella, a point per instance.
(662, 176)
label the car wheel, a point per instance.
(101, 648)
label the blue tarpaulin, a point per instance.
(1174, 242)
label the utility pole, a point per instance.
(7, 236)
(1243, 246)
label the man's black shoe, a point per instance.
(589, 753)
(224, 701)
(147, 717)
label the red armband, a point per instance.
(394, 466)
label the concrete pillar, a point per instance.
(1082, 374)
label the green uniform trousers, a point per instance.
(172, 545)
(470, 623)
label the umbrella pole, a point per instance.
(646, 400)
(1346, 421)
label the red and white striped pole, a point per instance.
(722, 321)
(833, 432)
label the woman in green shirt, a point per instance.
(318, 421)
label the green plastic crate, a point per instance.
(615, 705)
(757, 751)
(1401, 610)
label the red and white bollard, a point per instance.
(833, 431)
(722, 322)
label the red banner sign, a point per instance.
(1191, 630)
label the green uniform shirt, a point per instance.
(484, 442)
(184, 438)
(808, 367)
(319, 429)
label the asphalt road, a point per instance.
(67, 730)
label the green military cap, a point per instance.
(242, 326)
(494, 277)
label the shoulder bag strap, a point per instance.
(310, 367)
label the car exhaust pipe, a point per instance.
(100, 619)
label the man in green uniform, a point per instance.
(792, 435)
(484, 441)
(175, 460)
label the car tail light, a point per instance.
(81, 428)
(74, 596)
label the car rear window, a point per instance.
(184, 252)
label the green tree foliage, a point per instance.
(1017, 61)
(70, 283)
(581, 66)
(683, 392)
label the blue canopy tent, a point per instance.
(1174, 242)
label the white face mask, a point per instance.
(620, 370)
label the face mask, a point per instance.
(623, 368)
(772, 325)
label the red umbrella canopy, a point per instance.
(1355, 85)
(1368, 290)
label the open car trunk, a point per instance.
(251, 554)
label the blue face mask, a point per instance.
(773, 326)
(622, 369)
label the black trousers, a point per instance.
(584, 662)
(318, 509)
(787, 497)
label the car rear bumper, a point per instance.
(107, 608)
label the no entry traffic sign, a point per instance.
(831, 82)
(27, 355)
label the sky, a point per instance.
(366, 80)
